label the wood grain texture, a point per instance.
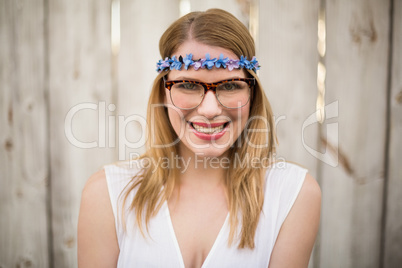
(393, 227)
(142, 24)
(79, 77)
(356, 61)
(36, 153)
(239, 8)
(23, 136)
(288, 56)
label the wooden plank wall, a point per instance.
(288, 49)
(356, 61)
(24, 138)
(79, 77)
(139, 51)
(289, 58)
(55, 56)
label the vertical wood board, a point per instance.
(356, 64)
(23, 136)
(239, 8)
(142, 24)
(288, 56)
(79, 78)
(393, 227)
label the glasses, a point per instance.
(232, 93)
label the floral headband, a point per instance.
(207, 62)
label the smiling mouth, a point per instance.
(205, 129)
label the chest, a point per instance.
(160, 246)
(197, 225)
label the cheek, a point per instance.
(245, 114)
(241, 116)
(177, 119)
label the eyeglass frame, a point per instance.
(209, 86)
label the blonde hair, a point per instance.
(245, 186)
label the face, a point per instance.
(210, 129)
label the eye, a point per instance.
(229, 86)
(187, 85)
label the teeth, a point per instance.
(208, 130)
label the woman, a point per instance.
(206, 193)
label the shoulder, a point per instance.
(96, 185)
(311, 189)
(123, 170)
(119, 176)
(294, 183)
(284, 181)
(95, 195)
(282, 171)
(97, 239)
(298, 232)
(286, 184)
(309, 199)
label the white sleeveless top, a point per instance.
(160, 248)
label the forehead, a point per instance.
(199, 50)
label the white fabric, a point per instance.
(161, 249)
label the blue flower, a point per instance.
(221, 62)
(244, 62)
(162, 65)
(209, 63)
(188, 61)
(233, 64)
(254, 64)
(176, 64)
(159, 67)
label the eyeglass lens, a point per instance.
(231, 94)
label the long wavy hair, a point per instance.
(244, 183)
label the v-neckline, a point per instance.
(176, 242)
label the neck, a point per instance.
(202, 171)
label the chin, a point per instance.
(210, 153)
(206, 150)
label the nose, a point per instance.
(210, 107)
